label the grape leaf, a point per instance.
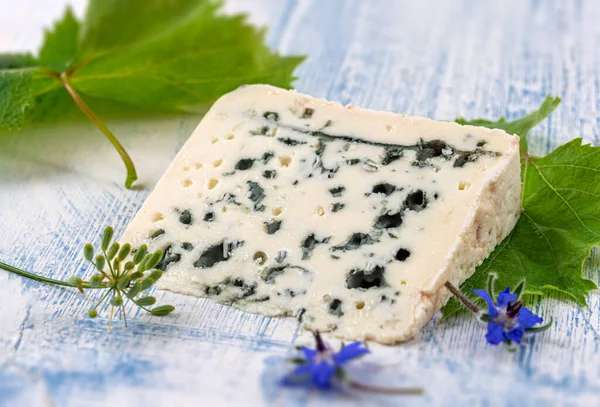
(559, 223)
(176, 55)
(522, 126)
(171, 57)
(16, 61)
(15, 96)
(60, 43)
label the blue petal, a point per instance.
(349, 352)
(492, 310)
(322, 374)
(300, 376)
(505, 297)
(527, 319)
(495, 333)
(515, 334)
(309, 354)
(303, 370)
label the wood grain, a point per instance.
(60, 185)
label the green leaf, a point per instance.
(522, 126)
(145, 54)
(60, 43)
(159, 55)
(558, 227)
(16, 96)
(171, 55)
(16, 61)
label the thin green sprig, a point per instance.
(42, 279)
(125, 273)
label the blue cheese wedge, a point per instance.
(349, 219)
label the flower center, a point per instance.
(507, 317)
(325, 356)
(512, 310)
(324, 353)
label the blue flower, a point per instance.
(508, 318)
(322, 364)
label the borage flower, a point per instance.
(323, 368)
(507, 319)
(322, 365)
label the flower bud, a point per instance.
(100, 261)
(107, 237)
(147, 283)
(122, 283)
(75, 281)
(139, 254)
(162, 310)
(116, 300)
(112, 251)
(142, 265)
(124, 252)
(154, 260)
(135, 275)
(96, 281)
(134, 290)
(156, 274)
(145, 301)
(88, 252)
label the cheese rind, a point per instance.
(350, 219)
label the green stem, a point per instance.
(42, 279)
(407, 391)
(131, 173)
(110, 268)
(102, 299)
(123, 308)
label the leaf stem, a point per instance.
(461, 297)
(42, 279)
(406, 391)
(131, 173)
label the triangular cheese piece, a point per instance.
(349, 219)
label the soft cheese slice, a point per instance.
(350, 219)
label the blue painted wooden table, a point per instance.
(61, 184)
